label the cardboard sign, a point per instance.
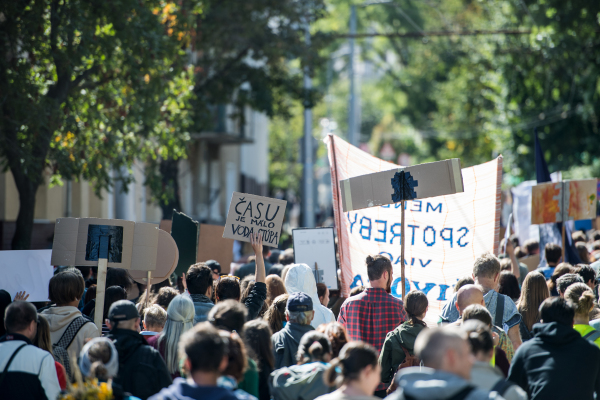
(532, 262)
(167, 256)
(211, 246)
(185, 232)
(409, 183)
(315, 247)
(26, 270)
(132, 246)
(563, 201)
(250, 214)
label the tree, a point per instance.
(82, 84)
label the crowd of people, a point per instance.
(272, 332)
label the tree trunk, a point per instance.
(169, 171)
(27, 191)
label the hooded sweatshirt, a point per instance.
(426, 383)
(485, 377)
(285, 343)
(59, 319)
(300, 278)
(557, 364)
(182, 390)
(392, 354)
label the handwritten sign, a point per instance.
(250, 214)
(315, 247)
(563, 201)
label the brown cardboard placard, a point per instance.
(249, 214)
(211, 246)
(532, 262)
(562, 201)
(167, 256)
(371, 190)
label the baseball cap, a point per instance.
(213, 264)
(299, 302)
(122, 310)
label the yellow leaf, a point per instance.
(147, 77)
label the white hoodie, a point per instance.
(59, 319)
(300, 278)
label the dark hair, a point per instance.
(509, 285)
(560, 270)
(553, 253)
(531, 245)
(479, 336)
(533, 292)
(313, 347)
(119, 277)
(587, 273)
(204, 348)
(583, 252)
(246, 285)
(416, 304)
(377, 265)
(338, 337)
(165, 296)
(85, 271)
(229, 315)
(567, 280)
(99, 355)
(275, 287)
(467, 280)
(579, 236)
(354, 357)
(112, 294)
(286, 257)
(199, 278)
(519, 252)
(236, 352)
(18, 316)
(42, 336)
(275, 314)
(357, 290)
(596, 235)
(66, 286)
(321, 290)
(154, 289)
(90, 294)
(5, 300)
(557, 309)
(478, 312)
(257, 336)
(274, 257)
(228, 287)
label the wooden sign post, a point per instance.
(101, 281)
(399, 185)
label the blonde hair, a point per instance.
(155, 315)
(581, 296)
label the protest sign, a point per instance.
(167, 257)
(185, 232)
(315, 247)
(563, 201)
(249, 214)
(211, 246)
(444, 235)
(26, 270)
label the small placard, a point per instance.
(315, 247)
(249, 214)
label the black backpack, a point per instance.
(59, 349)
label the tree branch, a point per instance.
(223, 71)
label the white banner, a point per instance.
(444, 235)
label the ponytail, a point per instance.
(353, 359)
(416, 304)
(314, 346)
(334, 375)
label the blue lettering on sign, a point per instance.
(355, 281)
(432, 208)
(396, 283)
(424, 265)
(384, 231)
(415, 203)
(413, 233)
(365, 227)
(426, 289)
(448, 239)
(352, 223)
(388, 255)
(386, 206)
(425, 236)
(460, 238)
(443, 289)
(396, 234)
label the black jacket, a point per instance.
(557, 364)
(286, 342)
(142, 371)
(256, 299)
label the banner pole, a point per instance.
(402, 276)
(337, 206)
(101, 282)
(149, 283)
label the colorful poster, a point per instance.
(444, 235)
(563, 201)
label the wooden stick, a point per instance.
(148, 284)
(100, 289)
(402, 277)
(564, 249)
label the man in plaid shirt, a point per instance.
(370, 315)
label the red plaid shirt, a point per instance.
(370, 315)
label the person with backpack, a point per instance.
(26, 371)
(305, 380)
(557, 363)
(447, 362)
(583, 299)
(483, 374)
(398, 348)
(69, 329)
(356, 372)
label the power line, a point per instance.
(423, 34)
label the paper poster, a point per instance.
(316, 248)
(26, 270)
(211, 246)
(249, 214)
(563, 201)
(444, 235)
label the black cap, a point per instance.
(213, 264)
(122, 310)
(299, 302)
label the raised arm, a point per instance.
(514, 263)
(257, 245)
